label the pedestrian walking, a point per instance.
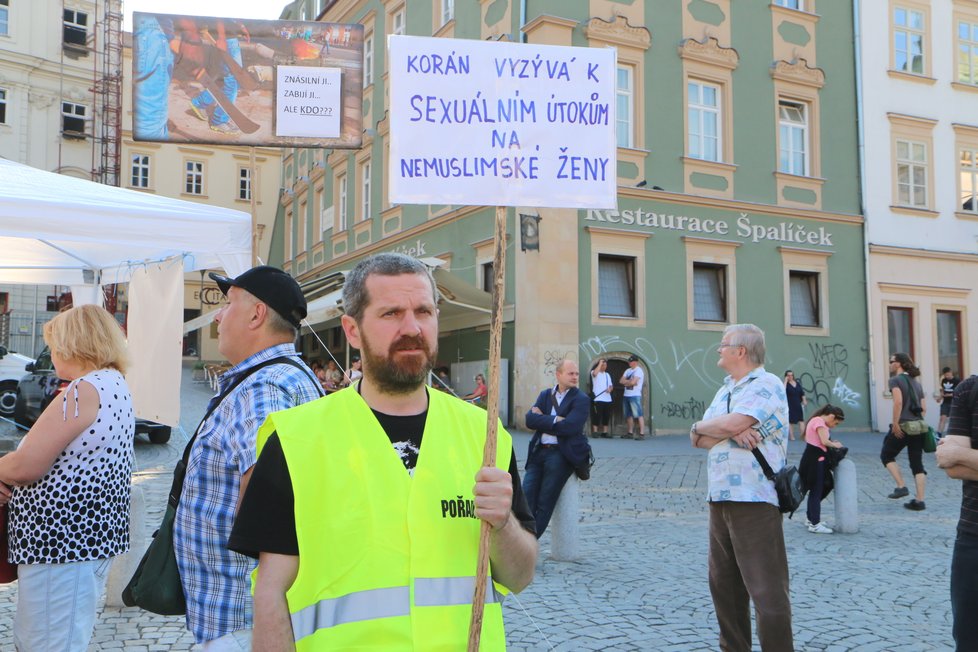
(906, 430)
(948, 382)
(818, 461)
(747, 557)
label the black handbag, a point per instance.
(156, 586)
(787, 483)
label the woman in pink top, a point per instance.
(813, 463)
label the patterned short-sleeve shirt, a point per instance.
(732, 471)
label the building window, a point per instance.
(803, 288)
(397, 22)
(3, 105)
(365, 190)
(709, 292)
(949, 350)
(625, 107)
(341, 217)
(194, 184)
(4, 17)
(911, 173)
(791, 4)
(447, 11)
(969, 180)
(140, 171)
(488, 277)
(244, 184)
(368, 60)
(75, 28)
(793, 138)
(908, 40)
(73, 119)
(616, 286)
(899, 327)
(704, 119)
(967, 52)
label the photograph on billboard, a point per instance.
(228, 81)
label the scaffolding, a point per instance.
(107, 88)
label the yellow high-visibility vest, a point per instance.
(386, 561)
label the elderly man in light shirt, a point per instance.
(747, 559)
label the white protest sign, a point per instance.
(501, 124)
(307, 101)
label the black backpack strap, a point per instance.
(912, 398)
(176, 488)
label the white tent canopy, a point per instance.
(59, 230)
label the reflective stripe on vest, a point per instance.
(387, 603)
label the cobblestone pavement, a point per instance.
(640, 583)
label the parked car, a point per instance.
(11, 369)
(41, 385)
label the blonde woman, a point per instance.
(70, 477)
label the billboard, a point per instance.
(228, 81)
(502, 124)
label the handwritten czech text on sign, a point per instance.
(307, 102)
(503, 124)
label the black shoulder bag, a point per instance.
(155, 586)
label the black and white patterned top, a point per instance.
(79, 511)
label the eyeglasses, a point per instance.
(722, 346)
(893, 361)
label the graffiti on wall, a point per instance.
(687, 410)
(826, 383)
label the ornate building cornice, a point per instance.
(709, 51)
(799, 72)
(618, 31)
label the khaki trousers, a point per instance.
(748, 562)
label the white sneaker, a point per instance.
(819, 528)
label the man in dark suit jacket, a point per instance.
(559, 445)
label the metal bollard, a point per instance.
(564, 524)
(846, 498)
(123, 566)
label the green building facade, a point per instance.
(738, 201)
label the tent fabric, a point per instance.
(59, 230)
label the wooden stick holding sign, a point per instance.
(492, 409)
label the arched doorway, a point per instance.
(617, 365)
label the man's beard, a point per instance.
(393, 377)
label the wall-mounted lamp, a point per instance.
(529, 232)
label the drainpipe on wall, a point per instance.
(861, 147)
(522, 20)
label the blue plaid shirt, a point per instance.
(216, 581)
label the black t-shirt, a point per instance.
(948, 385)
(266, 519)
(964, 423)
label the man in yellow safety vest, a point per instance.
(364, 508)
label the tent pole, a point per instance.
(492, 416)
(252, 177)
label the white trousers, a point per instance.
(56, 605)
